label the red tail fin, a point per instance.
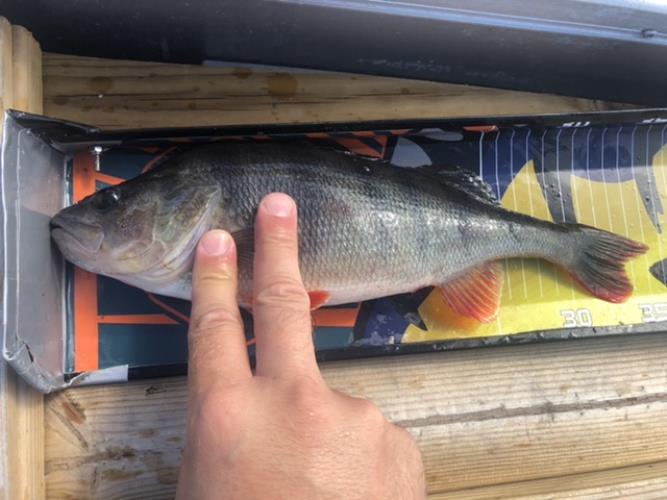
(599, 263)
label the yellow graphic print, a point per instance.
(537, 295)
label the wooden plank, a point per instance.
(21, 54)
(6, 72)
(21, 407)
(35, 82)
(645, 481)
(27, 72)
(481, 417)
(23, 437)
(118, 94)
(5, 386)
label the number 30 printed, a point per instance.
(576, 317)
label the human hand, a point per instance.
(281, 433)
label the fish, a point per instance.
(367, 229)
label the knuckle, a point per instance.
(370, 414)
(209, 404)
(215, 277)
(406, 440)
(204, 350)
(280, 238)
(286, 293)
(219, 318)
(294, 325)
(307, 393)
(212, 414)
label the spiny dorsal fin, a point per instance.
(476, 293)
(466, 181)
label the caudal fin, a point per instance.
(599, 262)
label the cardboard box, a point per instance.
(63, 326)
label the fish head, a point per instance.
(110, 231)
(142, 231)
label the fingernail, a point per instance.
(216, 243)
(279, 204)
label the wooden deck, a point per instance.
(492, 423)
(575, 419)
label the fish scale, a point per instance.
(366, 229)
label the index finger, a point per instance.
(281, 307)
(216, 342)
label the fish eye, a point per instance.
(106, 199)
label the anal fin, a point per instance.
(476, 293)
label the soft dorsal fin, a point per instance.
(476, 293)
(466, 181)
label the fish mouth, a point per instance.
(76, 236)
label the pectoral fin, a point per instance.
(318, 298)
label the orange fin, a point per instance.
(599, 264)
(476, 293)
(246, 302)
(318, 299)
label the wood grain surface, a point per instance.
(121, 94)
(646, 481)
(576, 419)
(481, 417)
(21, 407)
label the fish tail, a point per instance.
(598, 259)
